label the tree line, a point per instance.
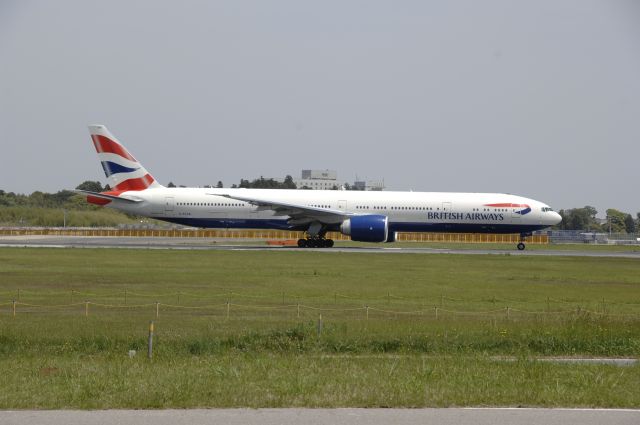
(585, 219)
(270, 183)
(260, 183)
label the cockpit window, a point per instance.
(547, 209)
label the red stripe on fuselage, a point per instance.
(506, 205)
(135, 184)
(105, 145)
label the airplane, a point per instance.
(371, 216)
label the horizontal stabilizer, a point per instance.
(106, 196)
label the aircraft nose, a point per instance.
(555, 218)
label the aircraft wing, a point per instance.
(295, 211)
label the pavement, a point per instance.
(448, 416)
(253, 245)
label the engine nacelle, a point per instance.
(366, 228)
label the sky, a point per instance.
(536, 98)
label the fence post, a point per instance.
(150, 343)
(86, 309)
(367, 309)
(548, 308)
(298, 310)
(157, 309)
(72, 296)
(320, 326)
(14, 307)
(436, 313)
(228, 310)
(508, 312)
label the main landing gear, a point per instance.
(316, 242)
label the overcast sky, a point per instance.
(536, 98)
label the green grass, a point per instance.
(96, 382)
(265, 354)
(89, 216)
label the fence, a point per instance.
(264, 234)
(591, 237)
(292, 305)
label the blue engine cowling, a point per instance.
(366, 228)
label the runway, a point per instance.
(259, 245)
(450, 416)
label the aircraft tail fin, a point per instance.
(124, 172)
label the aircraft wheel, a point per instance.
(521, 246)
(329, 243)
(302, 243)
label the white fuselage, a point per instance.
(406, 211)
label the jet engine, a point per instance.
(366, 228)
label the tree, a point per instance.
(171, 184)
(629, 224)
(219, 185)
(616, 221)
(91, 186)
(263, 183)
(288, 183)
(579, 219)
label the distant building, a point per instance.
(318, 180)
(368, 185)
(328, 179)
(319, 175)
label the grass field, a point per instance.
(241, 329)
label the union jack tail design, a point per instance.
(124, 172)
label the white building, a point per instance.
(328, 180)
(318, 180)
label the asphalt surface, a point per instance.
(448, 416)
(253, 245)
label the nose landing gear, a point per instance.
(523, 238)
